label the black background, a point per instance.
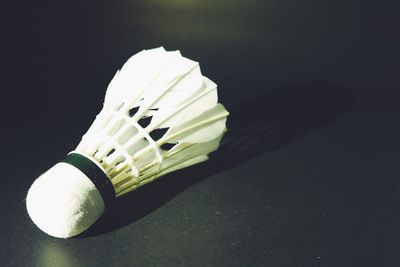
(308, 174)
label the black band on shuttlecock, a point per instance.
(94, 173)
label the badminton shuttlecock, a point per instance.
(159, 115)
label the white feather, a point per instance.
(155, 92)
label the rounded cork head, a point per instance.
(63, 202)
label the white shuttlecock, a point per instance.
(159, 115)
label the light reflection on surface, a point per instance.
(179, 3)
(205, 22)
(52, 254)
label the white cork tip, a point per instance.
(63, 202)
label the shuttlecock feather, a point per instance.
(160, 114)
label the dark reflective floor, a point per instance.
(308, 174)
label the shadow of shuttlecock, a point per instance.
(256, 126)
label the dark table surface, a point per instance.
(308, 174)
